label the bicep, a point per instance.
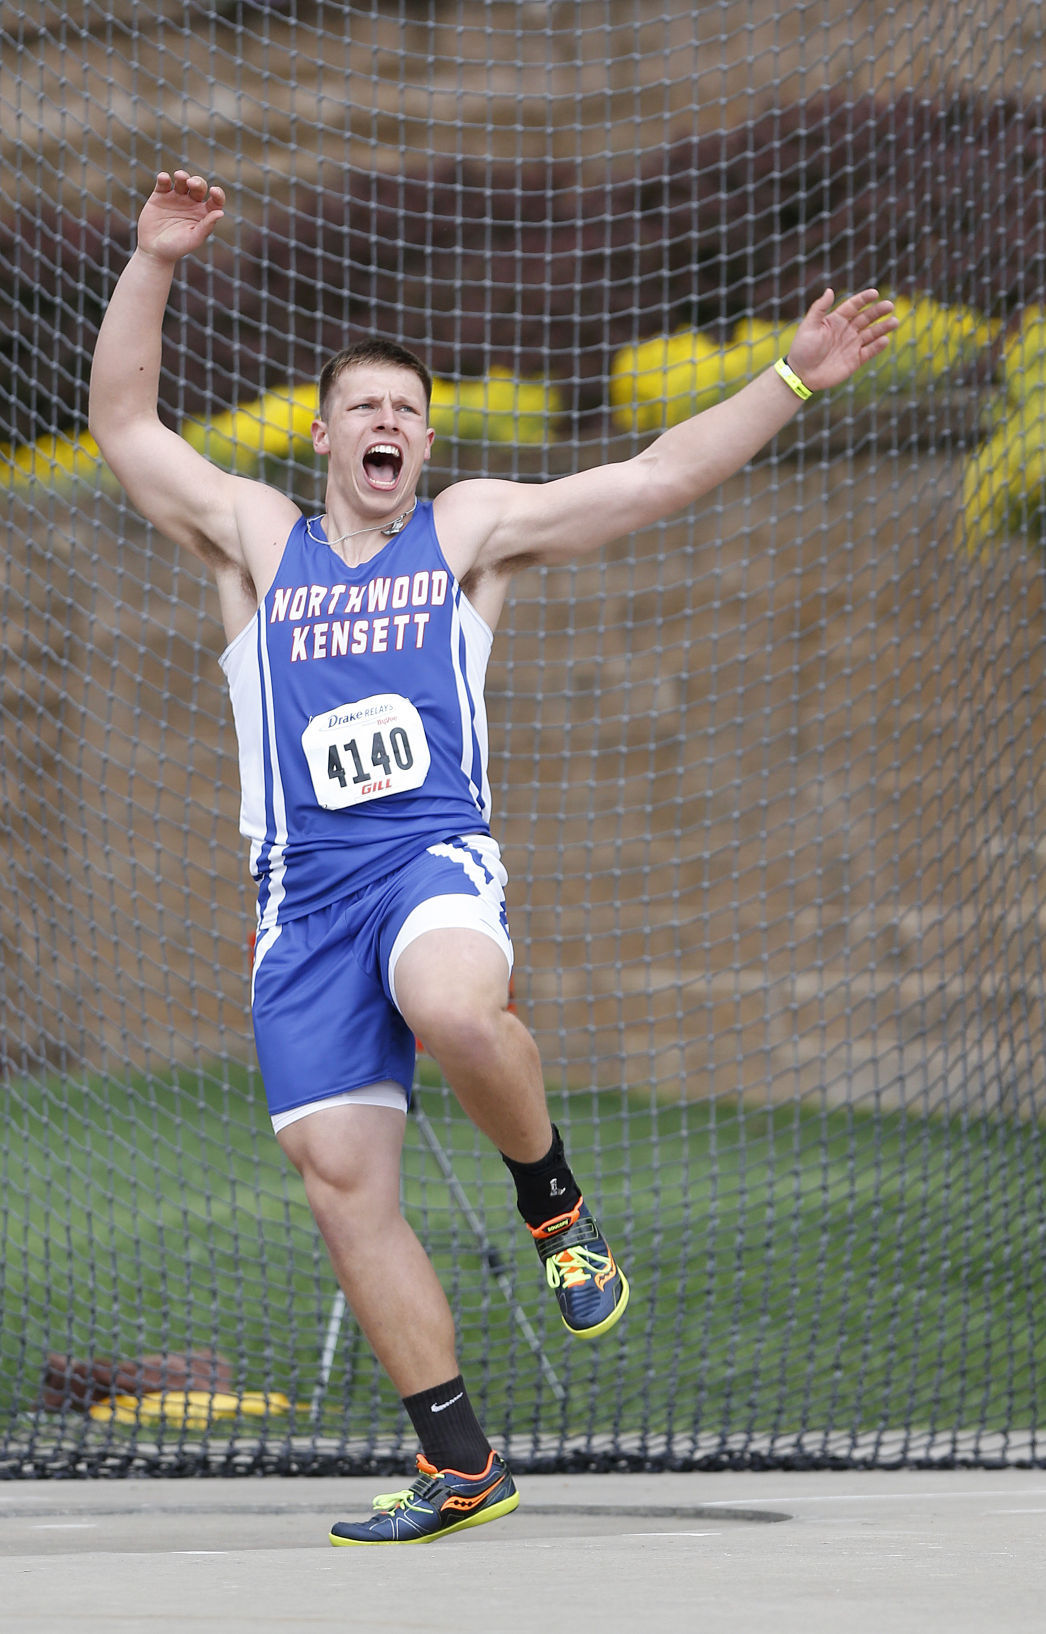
(573, 516)
(182, 494)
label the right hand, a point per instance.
(180, 213)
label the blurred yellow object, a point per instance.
(256, 1404)
(120, 1410)
(933, 340)
(189, 1409)
(664, 380)
(185, 1409)
(171, 1403)
(497, 409)
(758, 344)
(1004, 481)
(1024, 355)
(275, 426)
(140, 1410)
(52, 459)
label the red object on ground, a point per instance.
(78, 1382)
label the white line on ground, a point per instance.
(62, 1526)
(671, 1534)
(856, 1497)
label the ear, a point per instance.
(430, 438)
(320, 439)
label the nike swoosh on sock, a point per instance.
(441, 1406)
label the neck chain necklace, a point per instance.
(389, 530)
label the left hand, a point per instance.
(831, 345)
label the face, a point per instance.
(376, 436)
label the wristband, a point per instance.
(790, 378)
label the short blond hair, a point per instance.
(373, 350)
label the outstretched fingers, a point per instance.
(875, 324)
(195, 188)
(871, 318)
(874, 313)
(876, 340)
(868, 311)
(833, 341)
(179, 215)
(855, 306)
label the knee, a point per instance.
(459, 1027)
(344, 1178)
(348, 1206)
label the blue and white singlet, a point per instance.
(357, 695)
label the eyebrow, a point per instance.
(363, 394)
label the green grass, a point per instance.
(790, 1269)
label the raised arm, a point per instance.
(191, 501)
(509, 524)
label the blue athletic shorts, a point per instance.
(323, 994)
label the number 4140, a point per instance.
(381, 758)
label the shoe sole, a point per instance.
(504, 1507)
(608, 1321)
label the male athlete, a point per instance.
(357, 645)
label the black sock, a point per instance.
(547, 1188)
(447, 1427)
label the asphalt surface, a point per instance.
(788, 1553)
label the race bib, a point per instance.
(365, 751)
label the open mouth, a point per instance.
(383, 464)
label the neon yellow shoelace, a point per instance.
(574, 1266)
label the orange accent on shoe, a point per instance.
(557, 1225)
(430, 1469)
(466, 1505)
(572, 1271)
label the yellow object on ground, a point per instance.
(666, 380)
(496, 409)
(276, 426)
(53, 460)
(188, 1409)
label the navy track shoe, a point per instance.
(436, 1503)
(589, 1285)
